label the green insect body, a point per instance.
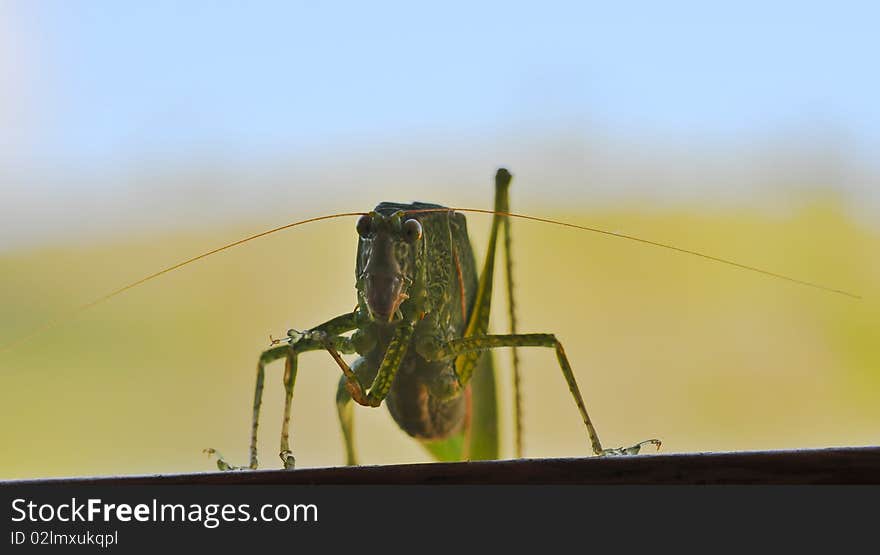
(426, 398)
(420, 329)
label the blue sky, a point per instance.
(117, 79)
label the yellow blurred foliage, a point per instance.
(703, 356)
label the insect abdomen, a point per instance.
(415, 410)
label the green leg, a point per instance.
(387, 370)
(483, 435)
(321, 337)
(478, 321)
(351, 388)
(458, 347)
(266, 357)
(344, 407)
(290, 367)
(502, 204)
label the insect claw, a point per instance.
(288, 459)
(634, 450)
(273, 341)
(221, 462)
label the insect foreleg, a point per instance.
(394, 354)
(324, 336)
(458, 347)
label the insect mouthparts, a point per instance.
(384, 294)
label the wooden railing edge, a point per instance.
(838, 465)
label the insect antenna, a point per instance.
(72, 313)
(50, 324)
(647, 242)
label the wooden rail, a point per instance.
(850, 465)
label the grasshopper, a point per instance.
(421, 329)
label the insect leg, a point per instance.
(364, 371)
(478, 321)
(394, 354)
(458, 347)
(291, 364)
(266, 357)
(484, 432)
(344, 408)
(502, 204)
(312, 340)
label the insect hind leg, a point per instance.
(502, 204)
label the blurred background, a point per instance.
(135, 135)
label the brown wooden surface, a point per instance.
(851, 465)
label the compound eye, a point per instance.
(364, 225)
(412, 230)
